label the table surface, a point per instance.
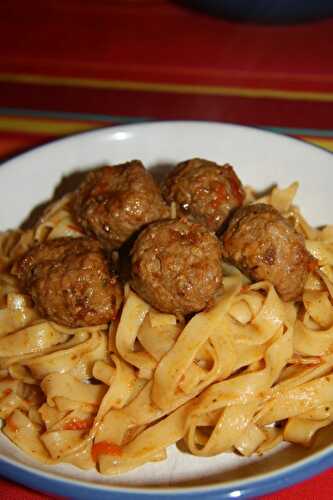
(72, 65)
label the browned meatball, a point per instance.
(265, 246)
(113, 203)
(207, 191)
(177, 266)
(70, 282)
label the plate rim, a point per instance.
(261, 483)
(244, 488)
(152, 123)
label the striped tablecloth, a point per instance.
(72, 65)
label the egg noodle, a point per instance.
(115, 397)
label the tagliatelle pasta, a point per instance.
(116, 396)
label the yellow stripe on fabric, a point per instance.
(167, 87)
(323, 143)
(40, 126)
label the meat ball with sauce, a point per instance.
(265, 246)
(177, 266)
(70, 282)
(205, 190)
(113, 203)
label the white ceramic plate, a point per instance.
(261, 159)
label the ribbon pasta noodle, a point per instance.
(116, 396)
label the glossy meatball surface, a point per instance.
(265, 246)
(177, 266)
(70, 282)
(207, 191)
(113, 203)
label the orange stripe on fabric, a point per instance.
(326, 143)
(176, 69)
(44, 126)
(167, 87)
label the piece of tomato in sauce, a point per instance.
(313, 264)
(78, 425)
(75, 228)
(11, 424)
(105, 448)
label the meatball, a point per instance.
(207, 191)
(70, 282)
(177, 266)
(265, 246)
(113, 203)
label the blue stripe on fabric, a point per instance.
(300, 131)
(70, 116)
(130, 119)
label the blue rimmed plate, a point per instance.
(261, 159)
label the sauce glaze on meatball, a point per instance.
(207, 191)
(113, 203)
(70, 282)
(265, 246)
(177, 266)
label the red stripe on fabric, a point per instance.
(15, 142)
(318, 487)
(264, 112)
(10, 490)
(130, 42)
(24, 136)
